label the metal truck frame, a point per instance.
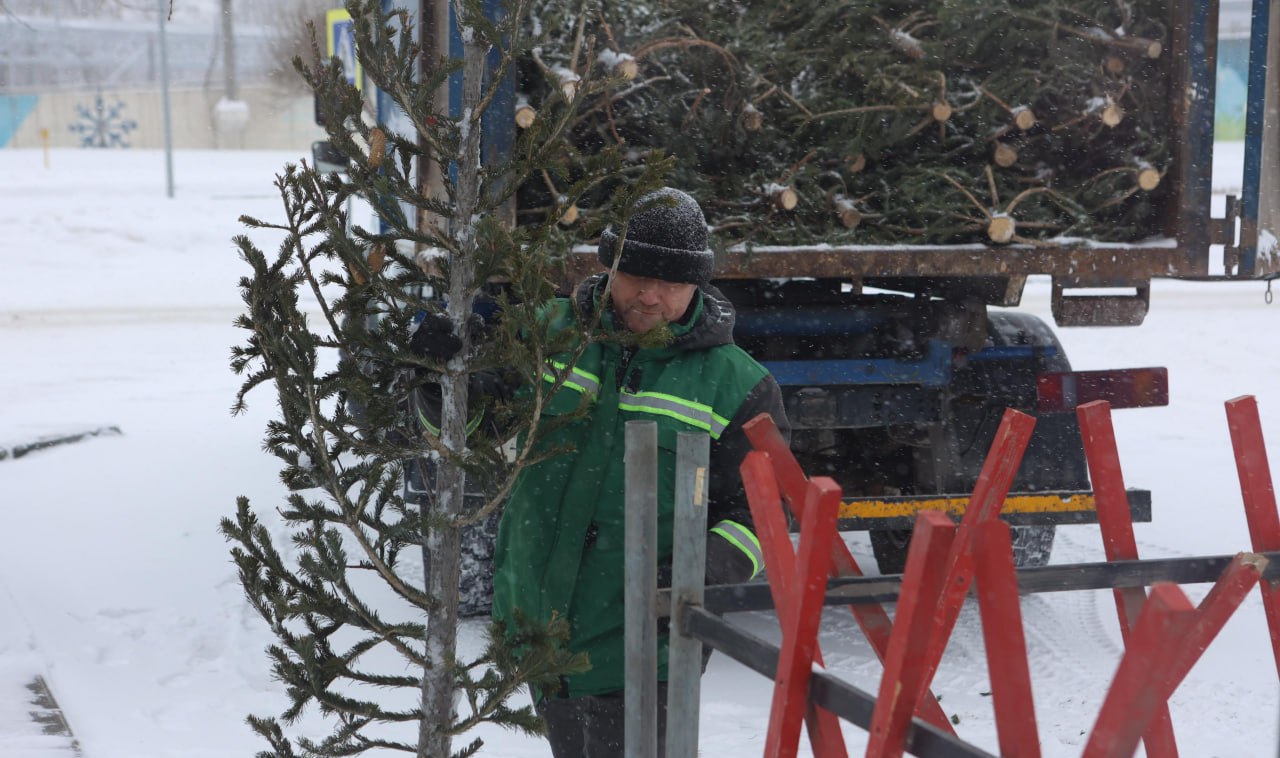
(894, 362)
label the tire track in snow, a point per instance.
(105, 316)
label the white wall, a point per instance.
(275, 122)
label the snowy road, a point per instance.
(116, 589)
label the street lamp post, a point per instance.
(164, 98)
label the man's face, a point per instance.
(643, 303)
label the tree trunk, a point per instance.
(442, 547)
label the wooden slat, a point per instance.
(1006, 645)
(994, 482)
(906, 670)
(1119, 544)
(871, 618)
(800, 632)
(1138, 692)
(780, 566)
(1237, 580)
(1259, 496)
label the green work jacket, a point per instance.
(561, 543)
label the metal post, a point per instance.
(1260, 205)
(689, 568)
(228, 52)
(164, 103)
(640, 724)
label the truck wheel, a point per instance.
(1031, 547)
(980, 391)
(890, 549)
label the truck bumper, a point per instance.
(1020, 509)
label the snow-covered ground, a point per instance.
(116, 589)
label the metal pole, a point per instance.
(228, 52)
(688, 574)
(640, 722)
(1259, 177)
(164, 102)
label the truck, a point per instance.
(897, 361)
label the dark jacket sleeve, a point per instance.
(483, 389)
(733, 552)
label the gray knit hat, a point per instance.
(666, 239)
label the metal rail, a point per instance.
(841, 698)
(1095, 265)
(734, 598)
(705, 624)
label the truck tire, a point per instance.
(1032, 546)
(889, 546)
(981, 390)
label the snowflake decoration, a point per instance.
(103, 125)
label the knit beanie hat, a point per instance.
(666, 239)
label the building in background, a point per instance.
(1233, 69)
(96, 83)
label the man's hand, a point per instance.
(434, 338)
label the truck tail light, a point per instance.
(1061, 392)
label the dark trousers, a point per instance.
(591, 726)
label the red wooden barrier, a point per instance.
(994, 481)
(1116, 523)
(1164, 635)
(1259, 498)
(800, 632)
(905, 667)
(779, 560)
(999, 604)
(871, 618)
(1232, 587)
(1139, 690)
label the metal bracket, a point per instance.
(1222, 231)
(1100, 310)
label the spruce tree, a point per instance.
(360, 586)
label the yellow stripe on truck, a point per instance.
(956, 506)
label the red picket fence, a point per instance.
(1164, 634)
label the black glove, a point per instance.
(434, 338)
(726, 564)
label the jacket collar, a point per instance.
(711, 324)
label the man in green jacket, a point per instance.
(561, 542)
